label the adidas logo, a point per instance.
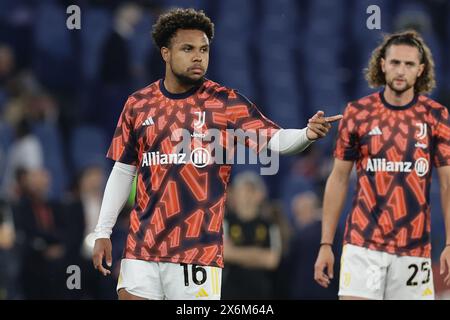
(427, 292)
(148, 122)
(375, 132)
(201, 293)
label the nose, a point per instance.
(401, 69)
(197, 58)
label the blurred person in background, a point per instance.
(297, 271)
(42, 235)
(116, 62)
(8, 257)
(22, 91)
(81, 210)
(116, 72)
(42, 107)
(7, 72)
(25, 153)
(252, 242)
(307, 165)
(7, 63)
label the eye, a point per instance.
(186, 49)
(204, 50)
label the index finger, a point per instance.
(103, 270)
(320, 275)
(98, 264)
(334, 118)
(322, 279)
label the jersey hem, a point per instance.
(397, 251)
(171, 260)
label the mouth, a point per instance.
(196, 69)
(399, 82)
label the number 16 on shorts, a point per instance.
(203, 282)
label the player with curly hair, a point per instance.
(174, 248)
(394, 136)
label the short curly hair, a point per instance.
(168, 24)
(375, 76)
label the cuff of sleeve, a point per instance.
(102, 235)
(306, 135)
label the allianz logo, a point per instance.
(380, 164)
(199, 157)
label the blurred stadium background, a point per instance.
(61, 92)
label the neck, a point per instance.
(398, 99)
(247, 214)
(173, 85)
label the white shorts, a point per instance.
(379, 275)
(169, 281)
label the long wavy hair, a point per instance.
(375, 76)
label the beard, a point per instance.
(186, 80)
(396, 90)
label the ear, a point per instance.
(421, 68)
(165, 53)
(383, 65)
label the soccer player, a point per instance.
(174, 249)
(394, 136)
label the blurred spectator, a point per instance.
(116, 63)
(41, 230)
(7, 233)
(298, 267)
(29, 102)
(306, 164)
(42, 107)
(7, 63)
(306, 209)
(8, 261)
(116, 68)
(20, 86)
(7, 68)
(92, 184)
(25, 153)
(278, 216)
(252, 243)
(81, 210)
